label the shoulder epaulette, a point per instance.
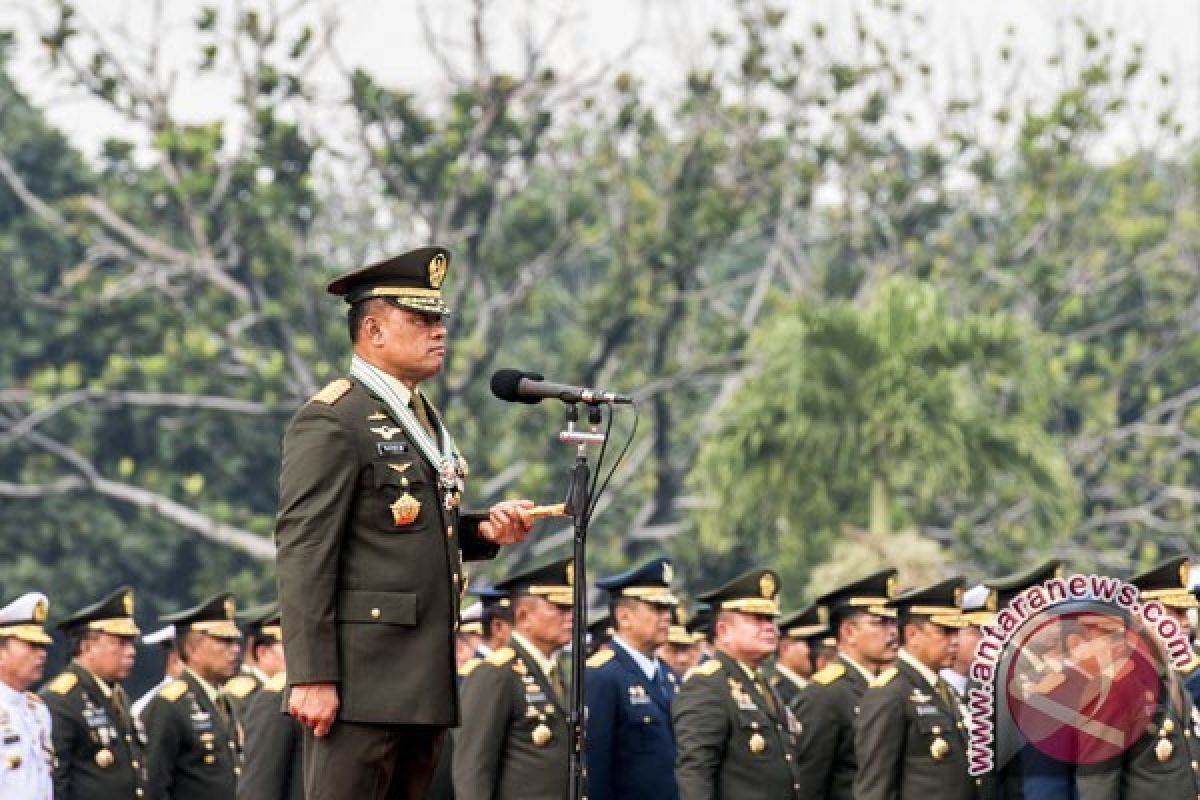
(707, 669)
(173, 690)
(35, 698)
(502, 656)
(240, 686)
(883, 678)
(276, 683)
(63, 684)
(829, 674)
(1189, 667)
(333, 392)
(469, 666)
(600, 658)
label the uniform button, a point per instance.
(449, 531)
(788, 756)
(135, 765)
(237, 770)
(139, 792)
(210, 759)
(376, 613)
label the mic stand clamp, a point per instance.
(577, 507)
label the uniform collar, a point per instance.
(790, 675)
(956, 681)
(545, 663)
(924, 671)
(866, 673)
(399, 388)
(208, 688)
(105, 689)
(649, 667)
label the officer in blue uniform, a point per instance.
(628, 692)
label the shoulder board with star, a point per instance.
(63, 684)
(1190, 667)
(707, 670)
(884, 678)
(502, 656)
(240, 686)
(332, 392)
(600, 658)
(173, 691)
(829, 674)
(469, 666)
(34, 698)
(276, 683)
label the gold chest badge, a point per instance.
(542, 735)
(757, 743)
(405, 510)
(104, 758)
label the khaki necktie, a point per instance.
(947, 696)
(121, 704)
(760, 682)
(422, 414)
(556, 683)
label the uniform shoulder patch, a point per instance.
(63, 684)
(239, 686)
(333, 392)
(884, 678)
(829, 674)
(276, 683)
(469, 666)
(35, 698)
(502, 656)
(600, 658)
(173, 691)
(707, 669)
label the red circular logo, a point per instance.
(1084, 686)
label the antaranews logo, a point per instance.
(1076, 667)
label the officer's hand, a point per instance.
(315, 705)
(508, 522)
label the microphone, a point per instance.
(516, 386)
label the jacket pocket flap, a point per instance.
(388, 608)
(404, 473)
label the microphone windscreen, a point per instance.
(506, 385)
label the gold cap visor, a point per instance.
(980, 618)
(753, 605)
(1173, 599)
(651, 594)
(121, 626)
(425, 301)
(805, 631)
(679, 636)
(471, 627)
(34, 634)
(219, 629)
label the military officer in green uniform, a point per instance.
(734, 736)
(274, 763)
(515, 742)
(194, 746)
(799, 637)
(371, 540)
(100, 747)
(866, 644)
(910, 735)
(262, 653)
(1165, 761)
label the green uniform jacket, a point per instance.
(827, 710)
(100, 749)
(194, 751)
(274, 768)
(1150, 770)
(788, 690)
(514, 744)
(367, 602)
(729, 746)
(912, 744)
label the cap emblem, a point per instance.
(891, 586)
(40, 610)
(1185, 574)
(668, 574)
(767, 585)
(570, 573)
(437, 271)
(127, 604)
(230, 608)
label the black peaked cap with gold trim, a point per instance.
(870, 593)
(753, 592)
(700, 623)
(650, 582)
(490, 596)
(261, 622)
(113, 614)
(811, 622)
(411, 280)
(600, 625)
(1008, 587)
(940, 603)
(1168, 582)
(678, 633)
(553, 581)
(216, 616)
(25, 617)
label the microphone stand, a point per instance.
(578, 503)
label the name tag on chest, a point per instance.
(391, 448)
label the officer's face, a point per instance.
(21, 663)
(546, 623)
(407, 345)
(747, 637)
(109, 657)
(794, 654)
(646, 625)
(212, 658)
(935, 646)
(874, 638)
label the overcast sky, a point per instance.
(658, 39)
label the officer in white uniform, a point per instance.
(26, 749)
